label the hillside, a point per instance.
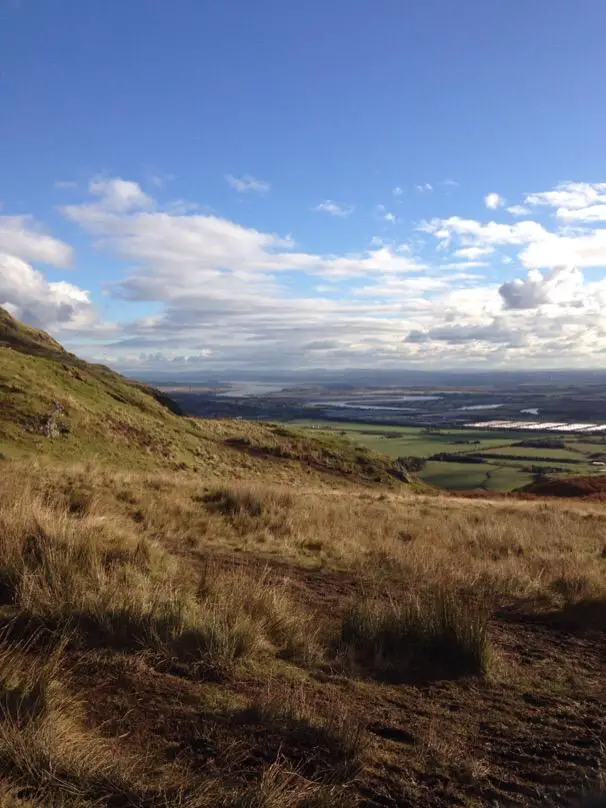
(232, 615)
(54, 404)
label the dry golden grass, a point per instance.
(426, 635)
(98, 577)
(548, 552)
(334, 737)
(91, 559)
(45, 749)
(48, 757)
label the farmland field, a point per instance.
(502, 465)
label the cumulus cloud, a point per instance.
(119, 195)
(224, 287)
(247, 183)
(493, 201)
(519, 210)
(424, 188)
(26, 293)
(574, 201)
(558, 286)
(333, 209)
(398, 191)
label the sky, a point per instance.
(220, 185)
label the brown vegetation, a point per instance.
(173, 643)
(594, 487)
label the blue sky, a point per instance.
(220, 185)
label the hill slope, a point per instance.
(54, 404)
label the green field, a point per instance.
(493, 474)
(528, 451)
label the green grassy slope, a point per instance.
(94, 412)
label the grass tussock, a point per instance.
(109, 587)
(253, 501)
(428, 635)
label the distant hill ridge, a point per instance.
(54, 404)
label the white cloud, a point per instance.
(493, 201)
(385, 214)
(119, 195)
(333, 209)
(425, 187)
(207, 247)
(584, 250)
(592, 213)
(477, 234)
(464, 264)
(225, 295)
(472, 253)
(26, 293)
(570, 195)
(22, 237)
(558, 286)
(519, 210)
(247, 183)
(574, 201)
(398, 191)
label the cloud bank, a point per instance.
(213, 294)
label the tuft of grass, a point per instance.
(112, 588)
(428, 635)
(280, 623)
(232, 502)
(253, 501)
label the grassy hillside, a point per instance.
(54, 404)
(231, 615)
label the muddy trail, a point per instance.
(532, 734)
